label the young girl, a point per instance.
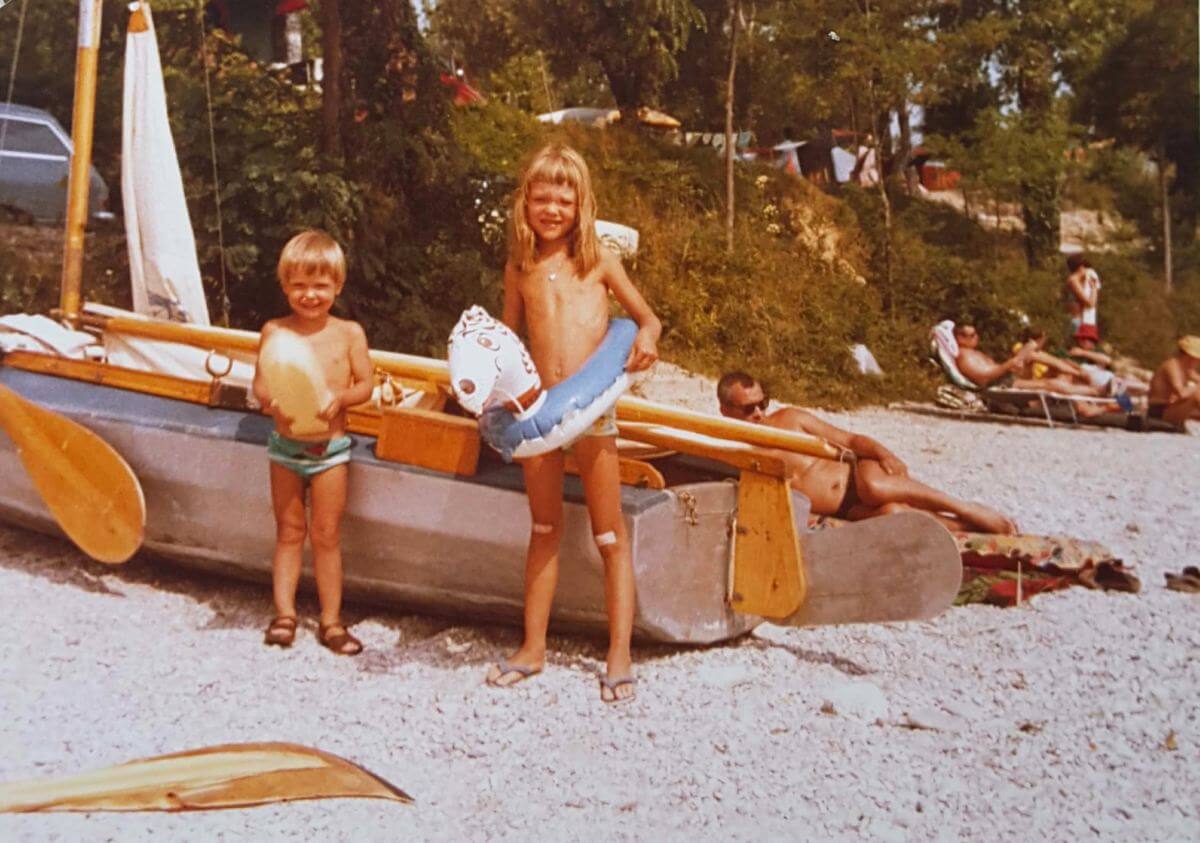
(556, 284)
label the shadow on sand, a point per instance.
(244, 604)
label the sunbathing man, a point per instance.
(870, 481)
(1175, 387)
(983, 371)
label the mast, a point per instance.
(82, 121)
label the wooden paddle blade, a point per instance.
(227, 776)
(90, 490)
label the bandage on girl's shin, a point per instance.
(605, 539)
(543, 529)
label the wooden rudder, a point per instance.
(768, 570)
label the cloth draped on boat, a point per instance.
(34, 332)
(1005, 570)
(162, 249)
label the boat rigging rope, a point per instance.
(12, 77)
(212, 145)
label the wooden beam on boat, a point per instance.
(738, 454)
(87, 56)
(408, 366)
(92, 371)
(411, 366)
(364, 419)
(633, 409)
(768, 569)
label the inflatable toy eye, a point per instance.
(547, 419)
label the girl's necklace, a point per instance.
(553, 275)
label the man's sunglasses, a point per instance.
(747, 409)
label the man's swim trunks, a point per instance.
(308, 459)
(851, 498)
(1156, 411)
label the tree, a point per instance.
(735, 20)
(635, 42)
(1143, 92)
(331, 84)
(998, 54)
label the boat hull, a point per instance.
(412, 538)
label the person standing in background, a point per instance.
(1083, 297)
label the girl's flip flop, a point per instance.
(611, 685)
(505, 668)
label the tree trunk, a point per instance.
(626, 87)
(889, 298)
(735, 11)
(1039, 187)
(331, 82)
(1165, 198)
(905, 154)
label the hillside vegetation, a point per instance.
(420, 191)
(803, 284)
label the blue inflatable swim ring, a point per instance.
(568, 408)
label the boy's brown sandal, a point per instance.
(281, 632)
(337, 639)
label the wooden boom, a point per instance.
(629, 408)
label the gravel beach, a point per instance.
(1072, 716)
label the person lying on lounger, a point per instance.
(1086, 352)
(1175, 387)
(1016, 372)
(1045, 365)
(1041, 364)
(870, 481)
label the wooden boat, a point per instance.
(719, 539)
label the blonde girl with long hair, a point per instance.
(557, 284)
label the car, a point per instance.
(35, 165)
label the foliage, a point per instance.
(1143, 92)
(787, 303)
(421, 198)
(634, 42)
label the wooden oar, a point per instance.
(629, 408)
(90, 490)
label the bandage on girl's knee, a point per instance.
(543, 529)
(606, 539)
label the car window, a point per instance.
(21, 136)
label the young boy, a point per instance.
(557, 282)
(312, 270)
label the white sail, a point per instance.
(162, 249)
